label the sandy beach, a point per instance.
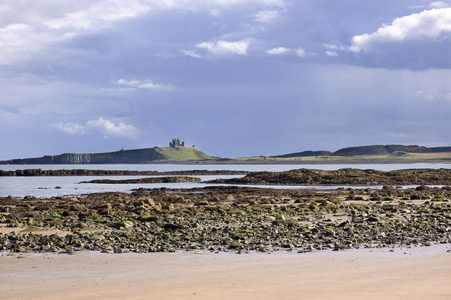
(399, 273)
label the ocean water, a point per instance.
(50, 186)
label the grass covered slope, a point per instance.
(363, 154)
(367, 154)
(135, 156)
(181, 153)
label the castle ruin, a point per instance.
(176, 143)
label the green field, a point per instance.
(396, 157)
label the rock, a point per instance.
(83, 225)
(169, 226)
(338, 247)
(235, 245)
(148, 218)
(121, 225)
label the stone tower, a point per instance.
(176, 143)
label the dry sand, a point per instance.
(400, 273)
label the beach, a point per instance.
(384, 273)
(232, 242)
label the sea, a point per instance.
(54, 186)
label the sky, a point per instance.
(234, 78)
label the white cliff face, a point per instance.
(74, 158)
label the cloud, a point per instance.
(27, 27)
(278, 50)
(425, 95)
(144, 84)
(333, 49)
(438, 4)
(266, 16)
(429, 24)
(99, 14)
(191, 53)
(207, 4)
(301, 52)
(109, 128)
(222, 48)
(17, 41)
(70, 128)
(331, 53)
(104, 126)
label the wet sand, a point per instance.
(400, 273)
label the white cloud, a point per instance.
(207, 4)
(278, 50)
(332, 49)
(99, 14)
(429, 24)
(104, 126)
(300, 52)
(27, 27)
(70, 128)
(144, 84)
(331, 53)
(191, 53)
(438, 4)
(441, 93)
(109, 128)
(16, 42)
(221, 47)
(266, 16)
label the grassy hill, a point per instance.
(388, 149)
(362, 154)
(181, 153)
(135, 156)
(304, 154)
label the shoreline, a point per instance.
(262, 162)
(403, 273)
(229, 243)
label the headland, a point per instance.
(178, 153)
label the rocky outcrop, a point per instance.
(87, 172)
(172, 179)
(228, 219)
(345, 176)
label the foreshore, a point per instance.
(385, 273)
(232, 242)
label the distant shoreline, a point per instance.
(262, 162)
(377, 154)
(301, 162)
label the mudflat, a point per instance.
(385, 273)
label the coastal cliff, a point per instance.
(177, 152)
(137, 156)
